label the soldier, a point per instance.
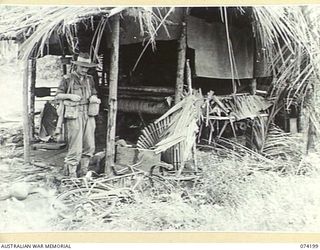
(78, 94)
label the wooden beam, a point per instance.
(32, 95)
(26, 120)
(182, 50)
(112, 100)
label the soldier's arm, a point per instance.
(62, 89)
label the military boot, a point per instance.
(84, 165)
(65, 170)
(72, 171)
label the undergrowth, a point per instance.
(237, 192)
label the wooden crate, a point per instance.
(126, 155)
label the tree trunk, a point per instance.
(32, 95)
(26, 120)
(112, 100)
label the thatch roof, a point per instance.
(35, 25)
(19, 22)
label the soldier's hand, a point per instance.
(75, 98)
(94, 99)
(71, 97)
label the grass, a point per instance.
(234, 195)
(228, 200)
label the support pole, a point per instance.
(112, 100)
(32, 96)
(300, 117)
(182, 49)
(189, 77)
(64, 65)
(26, 120)
(286, 119)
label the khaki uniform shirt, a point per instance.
(81, 85)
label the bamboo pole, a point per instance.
(32, 95)
(26, 120)
(182, 50)
(112, 100)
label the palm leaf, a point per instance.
(37, 24)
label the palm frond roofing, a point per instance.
(21, 21)
(35, 25)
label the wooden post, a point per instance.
(300, 124)
(62, 59)
(189, 77)
(253, 86)
(26, 120)
(311, 130)
(182, 49)
(64, 65)
(103, 80)
(286, 121)
(32, 95)
(311, 140)
(112, 100)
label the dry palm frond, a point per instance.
(277, 143)
(61, 20)
(248, 106)
(232, 148)
(289, 32)
(238, 106)
(178, 125)
(273, 142)
(36, 25)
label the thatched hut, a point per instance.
(144, 54)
